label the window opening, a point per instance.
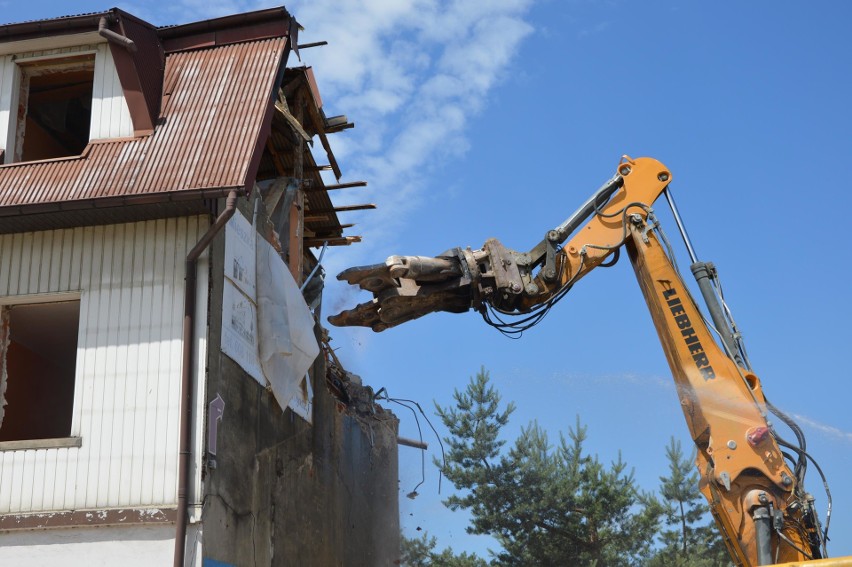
(38, 353)
(54, 108)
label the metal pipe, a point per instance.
(314, 44)
(704, 276)
(763, 535)
(692, 256)
(412, 443)
(186, 373)
(559, 234)
(703, 272)
(314, 271)
(598, 199)
(109, 35)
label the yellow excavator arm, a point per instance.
(752, 478)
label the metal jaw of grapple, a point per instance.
(408, 287)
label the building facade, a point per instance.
(150, 411)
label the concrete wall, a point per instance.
(285, 492)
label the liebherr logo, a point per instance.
(688, 333)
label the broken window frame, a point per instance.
(26, 67)
(6, 305)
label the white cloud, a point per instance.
(409, 74)
(827, 430)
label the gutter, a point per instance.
(56, 26)
(186, 374)
(89, 203)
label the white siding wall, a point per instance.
(10, 81)
(110, 113)
(138, 546)
(126, 400)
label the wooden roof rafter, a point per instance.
(297, 118)
(302, 80)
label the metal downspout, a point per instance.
(117, 38)
(186, 374)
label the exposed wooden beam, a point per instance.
(341, 241)
(274, 194)
(295, 248)
(344, 208)
(314, 44)
(317, 218)
(318, 188)
(336, 124)
(319, 123)
(291, 120)
(334, 167)
(331, 231)
(276, 159)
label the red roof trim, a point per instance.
(265, 30)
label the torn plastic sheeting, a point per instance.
(287, 344)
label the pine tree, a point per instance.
(420, 552)
(692, 539)
(417, 552)
(545, 505)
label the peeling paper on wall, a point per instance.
(5, 338)
(287, 344)
(239, 301)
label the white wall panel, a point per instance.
(110, 113)
(127, 391)
(137, 546)
(8, 86)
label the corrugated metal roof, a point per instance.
(214, 104)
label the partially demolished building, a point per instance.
(166, 393)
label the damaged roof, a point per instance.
(202, 97)
(213, 106)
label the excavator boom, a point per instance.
(755, 490)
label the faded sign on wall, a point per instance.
(239, 255)
(239, 304)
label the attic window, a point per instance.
(38, 352)
(54, 108)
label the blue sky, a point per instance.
(496, 119)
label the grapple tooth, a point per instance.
(374, 278)
(363, 315)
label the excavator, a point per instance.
(752, 478)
